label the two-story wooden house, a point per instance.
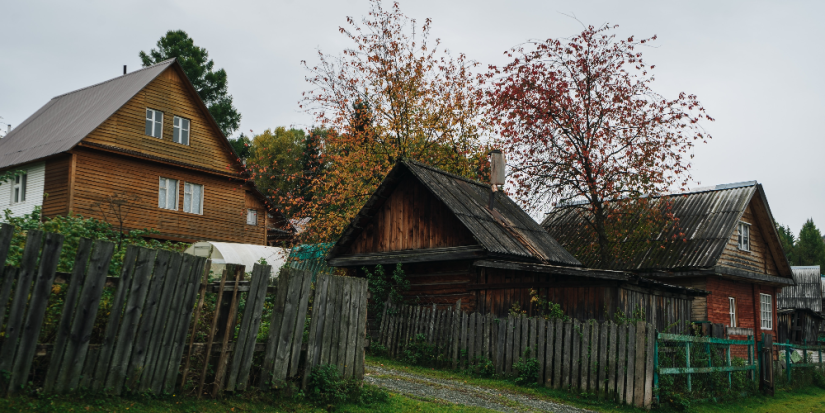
(729, 247)
(149, 138)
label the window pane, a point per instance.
(172, 199)
(185, 134)
(162, 193)
(176, 121)
(197, 193)
(187, 197)
(16, 195)
(176, 134)
(23, 189)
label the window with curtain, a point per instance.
(154, 123)
(193, 198)
(168, 193)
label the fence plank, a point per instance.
(271, 347)
(352, 328)
(181, 274)
(611, 360)
(37, 311)
(649, 344)
(454, 334)
(584, 367)
(639, 377)
(7, 273)
(470, 342)
(501, 345)
(241, 343)
(508, 343)
(287, 330)
(338, 319)
(113, 323)
(64, 327)
(300, 320)
(25, 275)
(488, 332)
(602, 383)
(211, 336)
(361, 338)
(201, 295)
(228, 331)
(333, 292)
(525, 335)
(345, 325)
(263, 272)
(558, 356)
(566, 371)
(316, 326)
(431, 326)
(621, 361)
(200, 269)
(549, 352)
(631, 360)
(138, 291)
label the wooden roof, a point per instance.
(708, 218)
(807, 293)
(504, 231)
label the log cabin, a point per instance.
(799, 307)
(146, 141)
(729, 248)
(457, 239)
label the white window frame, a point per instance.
(743, 231)
(766, 311)
(188, 189)
(157, 125)
(178, 130)
(732, 310)
(164, 184)
(251, 216)
(18, 188)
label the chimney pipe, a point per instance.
(124, 69)
(497, 166)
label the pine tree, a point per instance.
(787, 239)
(809, 248)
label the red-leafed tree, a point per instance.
(580, 122)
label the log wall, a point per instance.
(759, 258)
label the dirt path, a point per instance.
(460, 393)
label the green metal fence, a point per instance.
(803, 361)
(690, 367)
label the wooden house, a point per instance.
(799, 307)
(458, 239)
(146, 139)
(730, 248)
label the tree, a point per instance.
(579, 121)
(809, 248)
(787, 239)
(393, 94)
(210, 84)
(276, 156)
(241, 146)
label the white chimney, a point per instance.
(497, 166)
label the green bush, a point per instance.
(527, 369)
(420, 353)
(326, 388)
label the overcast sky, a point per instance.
(756, 66)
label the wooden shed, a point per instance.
(799, 307)
(458, 239)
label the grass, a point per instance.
(808, 399)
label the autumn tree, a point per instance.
(276, 156)
(394, 93)
(579, 121)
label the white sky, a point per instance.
(755, 65)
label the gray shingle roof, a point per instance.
(707, 216)
(66, 119)
(807, 293)
(504, 231)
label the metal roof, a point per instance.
(66, 119)
(807, 293)
(506, 230)
(707, 217)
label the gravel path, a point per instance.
(454, 391)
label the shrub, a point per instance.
(527, 369)
(326, 387)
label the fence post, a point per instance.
(656, 366)
(750, 356)
(687, 358)
(788, 360)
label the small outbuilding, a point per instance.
(799, 307)
(222, 253)
(457, 239)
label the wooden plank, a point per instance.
(470, 343)
(220, 367)
(243, 330)
(363, 291)
(334, 291)
(7, 273)
(273, 340)
(300, 320)
(611, 360)
(113, 324)
(550, 352)
(639, 376)
(352, 328)
(210, 338)
(455, 333)
(631, 359)
(540, 347)
(181, 274)
(147, 320)
(201, 296)
(557, 359)
(602, 382)
(37, 311)
(465, 319)
(431, 326)
(501, 345)
(261, 271)
(584, 356)
(200, 266)
(566, 373)
(344, 326)
(118, 367)
(64, 327)
(509, 350)
(87, 375)
(316, 326)
(488, 322)
(649, 349)
(25, 275)
(335, 337)
(621, 361)
(517, 350)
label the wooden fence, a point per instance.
(156, 303)
(602, 358)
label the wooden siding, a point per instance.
(759, 259)
(100, 174)
(167, 93)
(56, 201)
(411, 218)
(700, 304)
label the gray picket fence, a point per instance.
(607, 359)
(148, 344)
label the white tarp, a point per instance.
(223, 253)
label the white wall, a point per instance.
(34, 191)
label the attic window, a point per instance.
(154, 123)
(251, 217)
(18, 192)
(180, 130)
(744, 230)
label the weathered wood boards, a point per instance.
(610, 360)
